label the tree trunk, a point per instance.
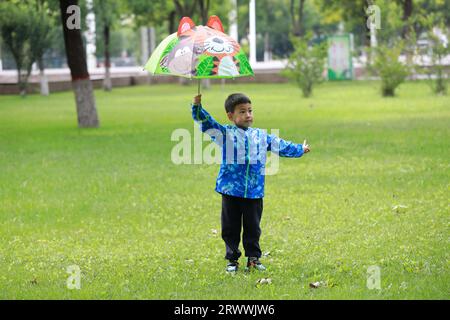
(204, 8)
(183, 81)
(107, 85)
(76, 59)
(22, 75)
(84, 96)
(1, 64)
(22, 83)
(183, 9)
(293, 18)
(407, 12)
(267, 55)
(44, 83)
(366, 34)
(172, 21)
(206, 84)
(300, 18)
(441, 83)
(43, 79)
(388, 92)
(297, 21)
(145, 52)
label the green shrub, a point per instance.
(438, 50)
(306, 64)
(387, 66)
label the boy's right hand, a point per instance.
(306, 147)
(198, 99)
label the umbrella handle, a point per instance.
(198, 87)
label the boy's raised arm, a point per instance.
(203, 118)
(286, 148)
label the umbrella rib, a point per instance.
(193, 53)
(192, 60)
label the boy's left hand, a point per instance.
(306, 147)
(197, 100)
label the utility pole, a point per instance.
(232, 17)
(90, 36)
(147, 43)
(252, 35)
(1, 65)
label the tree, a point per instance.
(106, 12)
(185, 8)
(151, 13)
(274, 24)
(354, 15)
(16, 27)
(198, 10)
(76, 59)
(41, 38)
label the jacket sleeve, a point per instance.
(284, 148)
(205, 120)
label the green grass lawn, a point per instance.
(140, 227)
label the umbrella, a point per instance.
(199, 52)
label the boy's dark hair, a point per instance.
(234, 99)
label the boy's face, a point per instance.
(242, 115)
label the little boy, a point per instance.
(241, 175)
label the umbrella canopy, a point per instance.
(199, 52)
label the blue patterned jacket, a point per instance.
(242, 171)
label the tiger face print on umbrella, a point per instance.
(202, 52)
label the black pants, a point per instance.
(238, 212)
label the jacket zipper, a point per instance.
(248, 166)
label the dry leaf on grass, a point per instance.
(399, 208)
(317, 284)
(263, 281)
